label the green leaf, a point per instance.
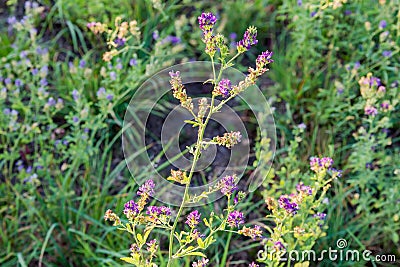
(200, 242)
(140, 239)
(131, 260)
(195, 253)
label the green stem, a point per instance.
(202, 128)
(226, 250)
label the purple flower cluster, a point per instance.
(336, 172)
(227, 185)
(171, 39)
(382, 24)
(290, 207)
(253, 264)
(131, 208)
(119, 41)
(207, 21)
(147, 188)
(224, 87)
(193, 219)
(101, 94)
(235, 218)
(304, 188)
(319, 164)
(200, 263)
(155, 212)
(278, 245)
(370, 110)
(320, 215)
(249, 39)
(264, 59)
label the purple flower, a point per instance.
(227, 185)
(155, 35)
(171, 39)
(12, 20)
(119, 66)
(385, 104)
(43, 82)
(75, 94)
(224, 87)
(207, 21)
(155, 212)
(299, 2)
(193, 219)
(82, 63)
(42, 51)
(318, 164)
(321, 216)
(131, 207)
(249, 39)
(75, 119)
(382, 24)
(235, 218)
(253, 264)
(119, 41)
(347, 12)
(91, 24)
(304, 188)
(233, 36)
(357, 65)
(301, 126)
(312, 14)
(109, 97)
(35, 72)
(44, 70)
(200, 263)
(336, 172)
(285, 203)
(65, 142)
(370, 111)
(7, 81)
(101, 92)
(6, 111)
(387, 53)
(278, 245)
(23, 54)
(113, 75)
(264, 59)
(132, 62)
(147, 188)
(51, 102)
(18, 82)
(196, 234)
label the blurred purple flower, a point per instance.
(43, 82)
(18, 82)
(82, 63)
(155, 35)
(119, 41)
(75, 94)
(12, 20)
(51, 102)
(233, 36)
(133, 62)
(382, 24)
(387, 53)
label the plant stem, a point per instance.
(202, 128)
